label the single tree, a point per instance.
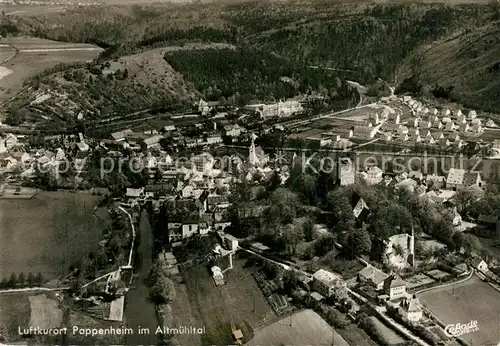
(12, 280)
(31, 279)
(21, 279)
(308, 228)
(39, 279)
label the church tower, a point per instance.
(411, 247)
(252, 156)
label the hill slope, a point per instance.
(357, 41)
(465, 68)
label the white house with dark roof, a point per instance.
(479, 264)
(455, 178)
(453, 137)
(464, 127)
(373, 175)
(437, 135)
(414, 122)
(476, 127)
(472, 115)
(444, 142)
(450, 126)
(395, 288)
(425, 134)
(347, 173)
(120, 135)
(151, 142)
(472, 179)
(412, 309)
(437, 180)
(403, 130)
(425, 124)
(414, 131)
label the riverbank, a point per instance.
(140, 312)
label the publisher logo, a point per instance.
(459, 329)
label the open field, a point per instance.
(14, 312)
(30, 10)
(184, 315)
(471, 300)
(302, 328)
(389, 335)
(45, 312)
(239, 302)
(354, 335)
(6, 51)
(36, 55)
(47, 233)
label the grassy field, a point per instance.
(356, 336)
(239, 302)
(47, 233)
(14, 313)
(389, 335)
(302, 328)
(471, 300)
(45, 312)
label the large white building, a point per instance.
(373, 175)
(281, 109)
(459, 178)
(325, 282)
(395, 288)
(347, 173)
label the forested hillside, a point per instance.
(465, 68)
(277, 43)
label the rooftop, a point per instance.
(326, 277)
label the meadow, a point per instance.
(47, 233)
(36, 55)
(239, 303)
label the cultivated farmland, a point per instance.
(302, 328)
(44, 312)
(239, 302)
(47, 233)
(471, 300)
(36, 55)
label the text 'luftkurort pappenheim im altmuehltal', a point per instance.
(90, 332)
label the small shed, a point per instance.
(238, 336)
(218, 276)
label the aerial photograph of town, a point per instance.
(250, 172)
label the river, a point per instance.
(139, 311)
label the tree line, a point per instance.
(22, 281)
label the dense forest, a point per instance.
(245, 74)
(276, 46)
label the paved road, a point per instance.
(33, 289)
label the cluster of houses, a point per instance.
(445, 129)
(455, 179)
(151, 140)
